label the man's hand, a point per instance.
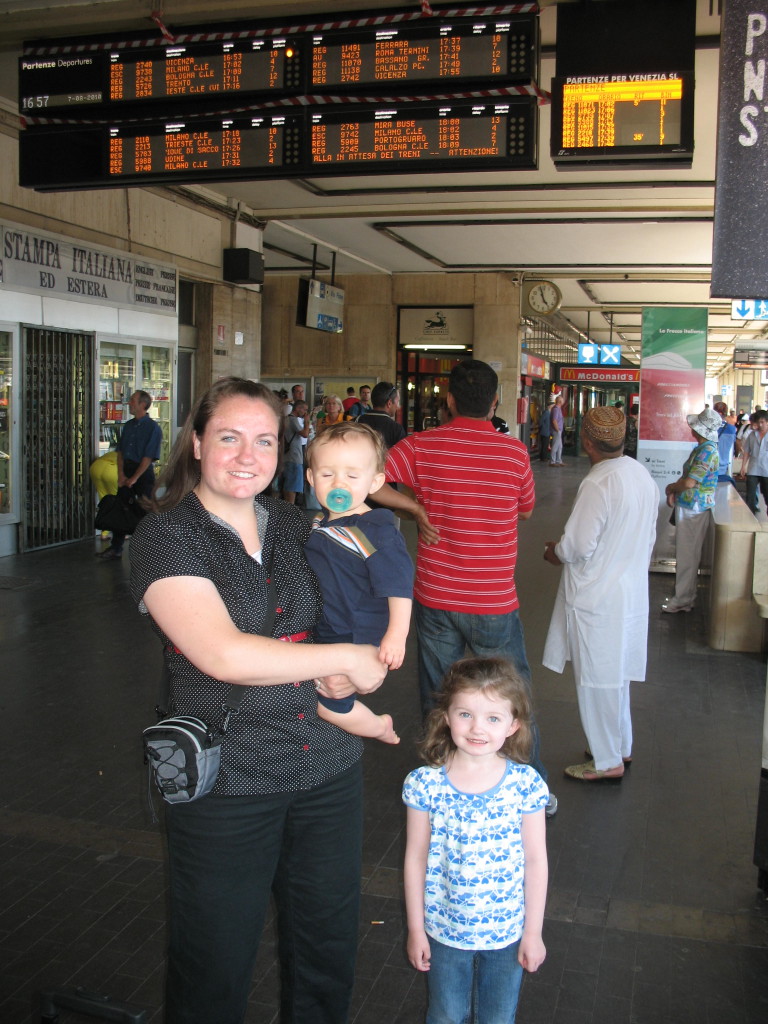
(549, 553)
(427, 532)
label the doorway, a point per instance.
(57, 437)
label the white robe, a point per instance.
(600, 618)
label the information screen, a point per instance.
(258, 59)
(268, 146)
(261, 67)
(424, 136)
(620, 117)
(202, 149)
(451, 52)
(201, 71)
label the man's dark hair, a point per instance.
(473, 385)
(145, 398)
(381, 393)
(351, 391)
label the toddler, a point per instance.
(361, 562)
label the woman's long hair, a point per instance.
(494, 676)
(182, 472)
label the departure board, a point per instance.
(267, 145)
(261, 67)
(205, 149)
(413, 137)
(253, 59)
(457, 51)
(610, 118)
(202, 71)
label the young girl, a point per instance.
(476, 857)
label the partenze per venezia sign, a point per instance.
(53, 265)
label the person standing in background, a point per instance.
(556, 428)
(385, 399)
(294, 442)
(137, 451)
(361, 406)
(545, 430)
(692, 496)
(600, 618)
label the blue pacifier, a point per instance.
(339, 500)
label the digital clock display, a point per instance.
(446, 52)
(414, 137)
(176, 73)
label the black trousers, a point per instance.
(226, 855)
(141, 489)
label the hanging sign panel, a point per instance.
(282, 143)
(46, 264)
(739, 255)
(479, 45)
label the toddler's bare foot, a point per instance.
(388, 734)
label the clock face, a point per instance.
(544, 297)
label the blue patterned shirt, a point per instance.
(474, 896)
(701, 466)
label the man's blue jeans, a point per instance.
(443, 637)
(489, 979)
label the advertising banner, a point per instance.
(672, 383)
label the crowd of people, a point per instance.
(228, 574)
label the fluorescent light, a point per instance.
(441, 348)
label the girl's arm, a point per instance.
(392, 646)
(189, 610)
(532, 950)
(418, 832)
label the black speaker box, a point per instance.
(243, 266)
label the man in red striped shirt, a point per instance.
(474, 485)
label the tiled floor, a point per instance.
(653, 914)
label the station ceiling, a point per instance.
(613, 241)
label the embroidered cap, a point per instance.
(605, 423)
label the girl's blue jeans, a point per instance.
(469, 986)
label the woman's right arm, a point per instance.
(189, 610)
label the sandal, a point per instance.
(588, 773)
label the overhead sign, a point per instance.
(46, 264)
(250, 59)
(598, 374)
(273, 143)
(750, 358)
(739, 255)
(590, 355)
(749, 309)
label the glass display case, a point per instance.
(125, 367)
(117, 382)
(157, 379)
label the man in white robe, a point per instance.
(600, 618)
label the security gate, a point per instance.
(58, 376)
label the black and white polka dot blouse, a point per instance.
(276, 743)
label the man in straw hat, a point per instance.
(692, 496)
(600, 618)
